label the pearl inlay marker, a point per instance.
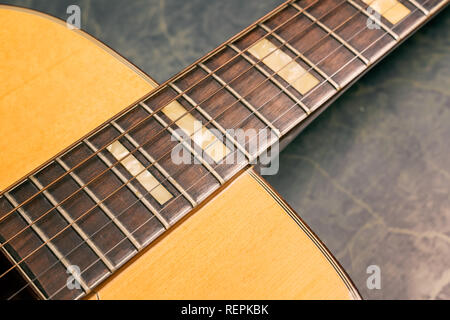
(144, 177)
(198, 133)
(286, 67)
(391, 10)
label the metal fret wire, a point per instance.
(266, 127)
(177, 172)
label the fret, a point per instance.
(156, 164)
(144, 201)
(432, 5)
(276, 82)
(45, 239)
(278, 102)
(420, 7)
(377, 21)
(241, 99)
(89, 216)
(101, 205)
(196, 106)
(333, 34)
(301, 56)
(73, 224)
(139, 173)
(293, 110)
(184, 143)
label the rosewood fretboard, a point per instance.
(111, 194)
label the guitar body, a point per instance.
(61, 84)
(244, 243)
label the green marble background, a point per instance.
(371, 175)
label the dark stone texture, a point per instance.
(371, 176)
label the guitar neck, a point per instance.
(122, 186)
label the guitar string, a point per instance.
(152, 94)
(47, 241)
(255, 137)
(130, 153)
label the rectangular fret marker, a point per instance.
(198, 133)
(145, 178)
(284, 66)
(155, 164)
(391, 10)
(301, 56)
(184, 143)
(209, 118)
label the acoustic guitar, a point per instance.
(115, 187)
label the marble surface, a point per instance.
(371, 175)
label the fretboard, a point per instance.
(108, 196)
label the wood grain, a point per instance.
(60, 85)
(242, 245)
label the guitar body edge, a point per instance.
(245, 243)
